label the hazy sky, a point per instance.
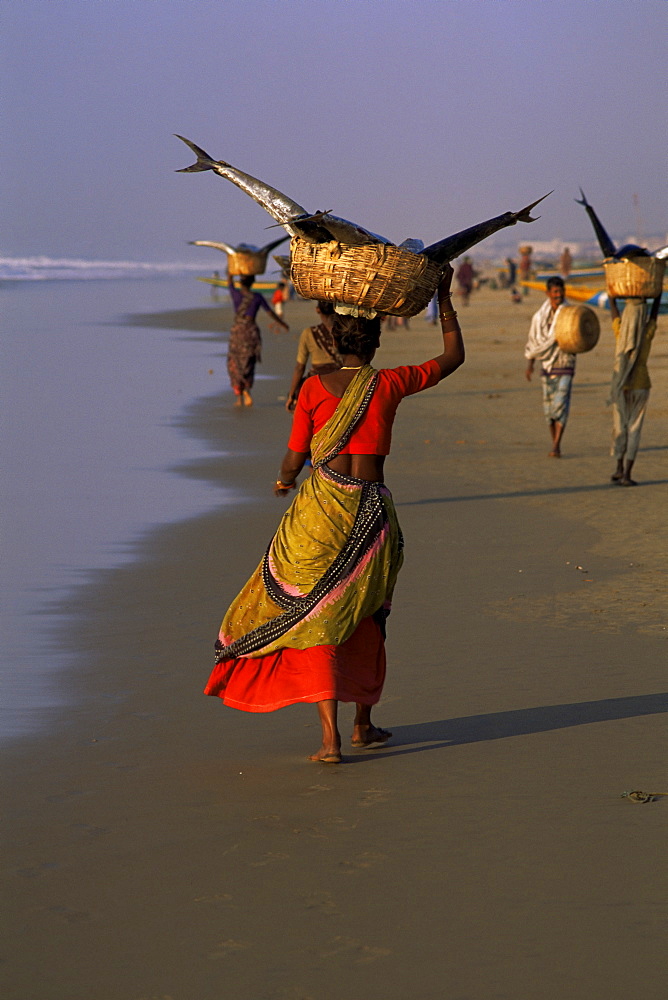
(412, 117)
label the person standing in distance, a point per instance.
(634, 332)
(557, 368)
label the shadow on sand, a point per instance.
(520, 722)
(559, 490)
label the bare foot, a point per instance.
(366, 736)
(247, 398)
(616, 476)
(555, 454)
(625, 481)
(326, 755)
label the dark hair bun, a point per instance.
(354, 335)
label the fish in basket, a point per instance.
(631, 272)
(340, 261)
(244, 259)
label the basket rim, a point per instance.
(363, 275)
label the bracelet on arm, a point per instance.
(448, 315)
(285, 486)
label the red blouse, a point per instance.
(373, 434)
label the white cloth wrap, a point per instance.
(541, 345)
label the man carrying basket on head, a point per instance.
(634, 332)
(557, 367)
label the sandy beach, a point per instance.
(160, 846)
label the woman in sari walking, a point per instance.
(317, 343)
(309, 625)
(245, 344)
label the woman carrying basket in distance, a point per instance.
(309, 625)
(316, 342)
(245, 343)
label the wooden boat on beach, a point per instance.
(258, 286)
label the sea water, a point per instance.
(89, 414)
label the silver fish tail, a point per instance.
(225, 247)
(454, 246)
(279, 206)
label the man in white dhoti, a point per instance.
(557, 368)
(634, 332)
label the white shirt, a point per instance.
(541, 344)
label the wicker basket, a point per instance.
(246, 262)
(634, 277)
(576, 329)
(376, 276)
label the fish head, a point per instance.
(631, 250)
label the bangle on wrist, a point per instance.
(285, 486)
(448, 315)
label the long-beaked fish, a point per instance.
(241, 248)
(454, 246)
(606, 244)
(279, 206)
(604, 241)
(288, 213)
(323, 227)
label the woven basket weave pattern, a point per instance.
(376, 276)
(246, 263)
(576, 329)
(634, 277)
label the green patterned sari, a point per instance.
(334, 559)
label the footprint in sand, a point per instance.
(271, 822)
(322, 902)
(219, 897)
(327, 825)
(268, 859)
(91, 831)
(37, 870)
(314, 789)
(63, 796)
(71, 916)
(290, 993)
(374, 796)
(155, 996)
(229, 947)
(366, 860)
(357, 951)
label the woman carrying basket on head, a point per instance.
(245, 343)
(309, 625)
(316, 342)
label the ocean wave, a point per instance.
(73, 269)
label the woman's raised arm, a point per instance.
(453, 344)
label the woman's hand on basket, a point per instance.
(445, 282)
(453, 353)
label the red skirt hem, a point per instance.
(351, 672)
